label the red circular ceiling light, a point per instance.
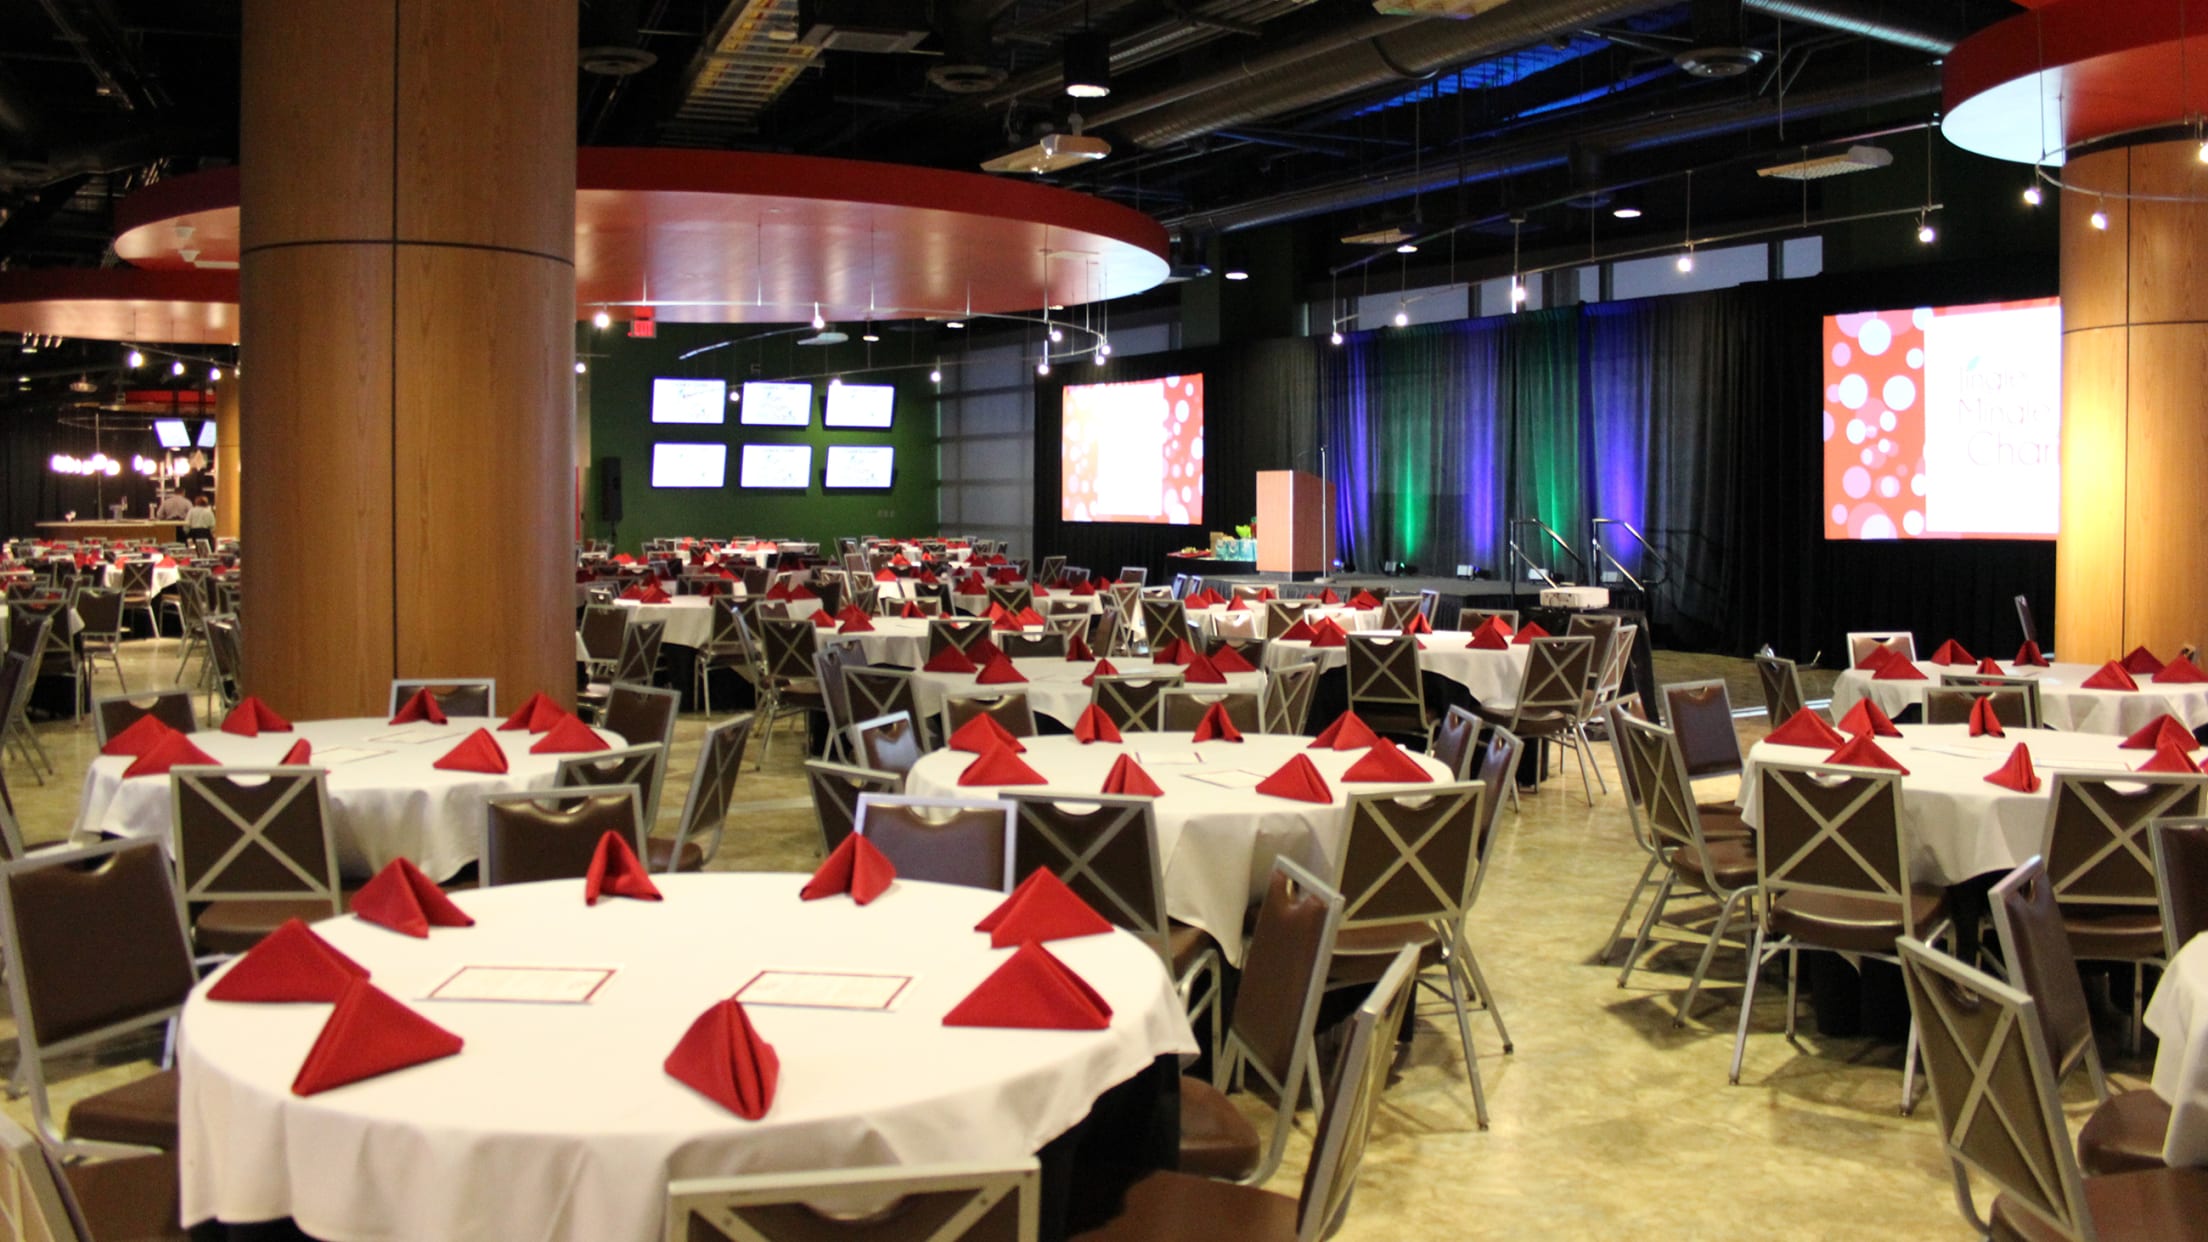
(2075, 72)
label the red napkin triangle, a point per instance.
(928, 578)
(1531, 631)
(1485, 639)
(251, 718)
(2016, 773)
(1095, 726)
(1385, 761)
(1033, 990)
(859, 624)
(1328, 634)
(300, 753)
(1174, 651)
(2028, 654)
(1364, 600)
(1876, 658)
(171, 750)
(1201, 671)
(1806, 728)
(851, 612)
(2169, 758)
(912, 610)
(1084, 588)
(984, 651)
(1868, 717)
(1265, 594)
(2164, 730)
(1861, 752)
(981, 735)
(990, 920)
(949, 660)
(1328, 596)
(2141, 660)
(2112, 676)
(2180, 671)
(1039, 910)
(1228, 660)
(999, 766)
(654, 594)
(1348, 732)
(1216, 726)
(856, 867)
(142, 735)
(722, 1058)
(423, 706)
(290, 964)
(1127, 777)
(368, 1034)
(403, 899)
(1000, 672)
(1898, 669)
(1238, 604)
(569, 737)
(1983, 721)
(1952, 652)
(822, 621)
(537, 715)
(1299, 631)
(624, 558)
(1987, 668)
(616, 872)
(778, 591)
(1103, 669)
(1417, 623)
(1029, 616)
(477, 752)
(1077, 649)
(1037, 591)
(884, 575)
(802, 592)
(1298, 779)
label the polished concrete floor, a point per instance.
(1607, 1120)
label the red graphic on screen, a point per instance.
(1133, 452)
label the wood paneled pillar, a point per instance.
(226, 461)
(2135, 418)
(407, 181)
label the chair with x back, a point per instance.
(1385, 687)
(475, 696)
(705, 805)
(111, 714)
(1289, 688)
(1396, 611)
(1050, 645)
(1185, 707)
(254, 845)
(836, 789)
(1782, 688)
(1134, 702)
(549, 834)
(959, 632)
(1011, 710)
(875, 691)
(45, 1199)
(1164, 620)
(642, 766)
(946, 840)
(793, 682)
(890, 743)
(1552, 695)
(2015, 699)
(1281, 615)
(1011, 596)
(901, 1203)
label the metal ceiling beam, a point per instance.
(1920, 32)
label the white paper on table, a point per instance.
(2080, 765)
(343, 754)
(1231, 778)
(542, 985)
(1168, 758)
(819, 989)
(414, 735)
(1998, 746)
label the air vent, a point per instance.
(882, 27)
(1718, 62)
(965, 79)
(617, 62)
(1853, 160)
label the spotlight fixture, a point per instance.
(1043, 367)
(2032, 196)
(1517, 293)
(1057, 336)
(214, 375)
(819, 322)
(870, 336)
(176, 368)
(1335, 338)
(1925, 232)
(1236, 273)
(1407, 248)
(955, 323)
(1626, 213)
(835, 381)
(1098, 357)
(2100, 219)
(581, 367)
(935, 377)
(1686, 260)
(601, 320)
(1402, 315)
(1088, 66)
(135, 360)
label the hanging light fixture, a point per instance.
(176, 368)
(819, 321)
(1686, 260)
(1517, 280)
(136, 360)
(601, 320)
(935, 376)
(2032, 196)
(1088, 67)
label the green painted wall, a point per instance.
(619, 394)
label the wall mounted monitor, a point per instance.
(861, 466)
(769, 404)
(207, 434)
(689, 465)
(172, 433)
(782, 466)
(860, 405)
(690, 401)
(1133, 452)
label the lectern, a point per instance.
(1295, 523)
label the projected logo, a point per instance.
(1133, 452)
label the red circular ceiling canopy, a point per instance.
(2075, 72)
(122, 304)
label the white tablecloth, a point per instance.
(71, 622)
(1053, 686)
(164, 577)
(2178, 1015)
(976, 605)
(901, 642)
(1217, 845)
(2062, 702)
(1963, 826)
(381, 807)
(1250, 623)
(1493, 677)
(557, 1122)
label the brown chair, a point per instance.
(96, 950)
(874, 692)
(959, 632)
(642, 766)
(792, 681)
(836, 789)
(906, 1203)
(1833, 872)
(1701, 714)
(602, 629)
(2181, 880)
(1252, 650)
(830, 664)
(1184, 706)
(1051, 646)
(1135, 702)
(43, 1199)
(946, 840)
(638, 665)
(454, 697)
(1552, 695)
(1110, 636)
(101, 631)
(642, 715)
(18, 676)
(1281, 615)
(1993, 1084)
(890, 743)
(1454, 738)
(1289, 688)
(1385, 688)
(1782, 688)
(254, 845)
(552, 834)
(116, 712)
(1717, 821)
(1010, 709)
(1604, 630)
(1164, 620)
(1900, 642)
(2015, 699)
(1469, 619)
(725, 648)
(1396, 611)
(1010, 596)
(705, 806)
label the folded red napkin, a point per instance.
(1952, 652)
(623, 558)
(1228, 660)
(368, 1034)
(1216, 726)
(655, 595)
(1531, 631)
(1898, 669)
(851, 612)
(979, 735)
(1077, 649)
(615, 871)
(2164, 730)
(166, 562)
(1266, 593)
(1805, 728)
(1202, 672)
(1299, 631)
(1238, 604)
(722, 1058)
(860, 624)
(1983, 721)
(2141, 660)
(1028, 616)
(1041, 908)
(251, 718)
(1987, 668)
(2180, 671)
(2112, 676)
(477, 752)
(171, 750)
(1861, 752)
(1485, 639)
(822, 621)
(928, 578)
(912, 609)
(1417, 623)
(999, 672)
(569, 737)
(139, 738)
(635, 593)
(1327, 634)
(1083, 588)
(983, 650)
(1038, 591)
(1095, 726)
(1175, 651)
(1385, 761)
(1103, 669)
(999, 765)
(949, 660)
(1364, 601)
(2169, 759)
(1876, 658)
(1348, 732)
(996, 614)
(537, 715)
(289, 964)
(2028, 654)
(2016, 773)
(403, 899)
(884, 575)
(1033, 990)
(855, 867)
(802, 591)
(1868, 717)
(423, 706)
(1127, 777)
(1298, 779)
(1328, 596)
(300, 753)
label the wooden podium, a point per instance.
(1295, 523)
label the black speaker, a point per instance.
(609, 489)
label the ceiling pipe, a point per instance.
(1249, 67)
(1865, 21)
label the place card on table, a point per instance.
(1231, 778)
(535, 985)
(335, 755)
(414, 735)
(1168, 758)
(823, 989)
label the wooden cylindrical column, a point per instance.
(2135, 430)
(407, 181)
(226, 461)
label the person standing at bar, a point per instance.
(199, 523)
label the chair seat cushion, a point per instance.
(235, 926)
(1187, 945)
(133, 1199)
(1851, 924)
(1180, 1207)
(1732, 864)
(1362, 954)
(1721, 820)
(2114, 933)
(141, 1112)
(2126, 1207)
(2124, 1135)
(659, 850)
(1216, 1139)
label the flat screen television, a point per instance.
(771, 404)
(861, 405)
(207, 434)
(172, 433)
(689, 401)
(1133, 451)
(689, 465)
(869, 467)
(777, 466)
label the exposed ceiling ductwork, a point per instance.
(1920, 32)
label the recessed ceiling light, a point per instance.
(955, 323)
(1407, 248)
(1626, 213)
(1236, 273)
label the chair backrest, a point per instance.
(101, 613)
(1045, 646)
(2024, 619)
(1555, 679)
(959, 632)
(1105, 848)
(947, 840)
(1135, 702)
(1993, 1085)
(1352, 1097)
(1185, 705)
(1288, 692)
(1396, 611)
(1272, 1031)
(641, 714)
(1602, 627)
(111, 714)
(1383, 668)
(1108, 638)
(888, 743)
(1469, 619)
(788, 647)
(1250, 649)
(455, 696)
(2036, 951)
(1012, 596)
(603, 627)
(1701, 713)
(552, 835)
(712, 787)
(1860, 643)
(1136, 574)
(2096, 844)
(1282, 614)
(1010, 709)
(1667, 807)
(1453, 741)
(2015, 699)
(1052, 566)
(1498, 768)
(902, 1203)
(36, 1203)
(836, 789)
(1409, 856)
(1829, 829)
(880, 692)
(829, 664)
(1164, 620)
(253, 834)
(1782, 688)
(642, 766)
(2181, 880)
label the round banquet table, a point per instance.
(977, 605)
(557, 1123)
(2063, 703)
(900, 642)
(1492, 676)
(1216, 845)
(1053, 686)
(1219, 620)
(2178, 1015)
(382, 806)
(1961, 825)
